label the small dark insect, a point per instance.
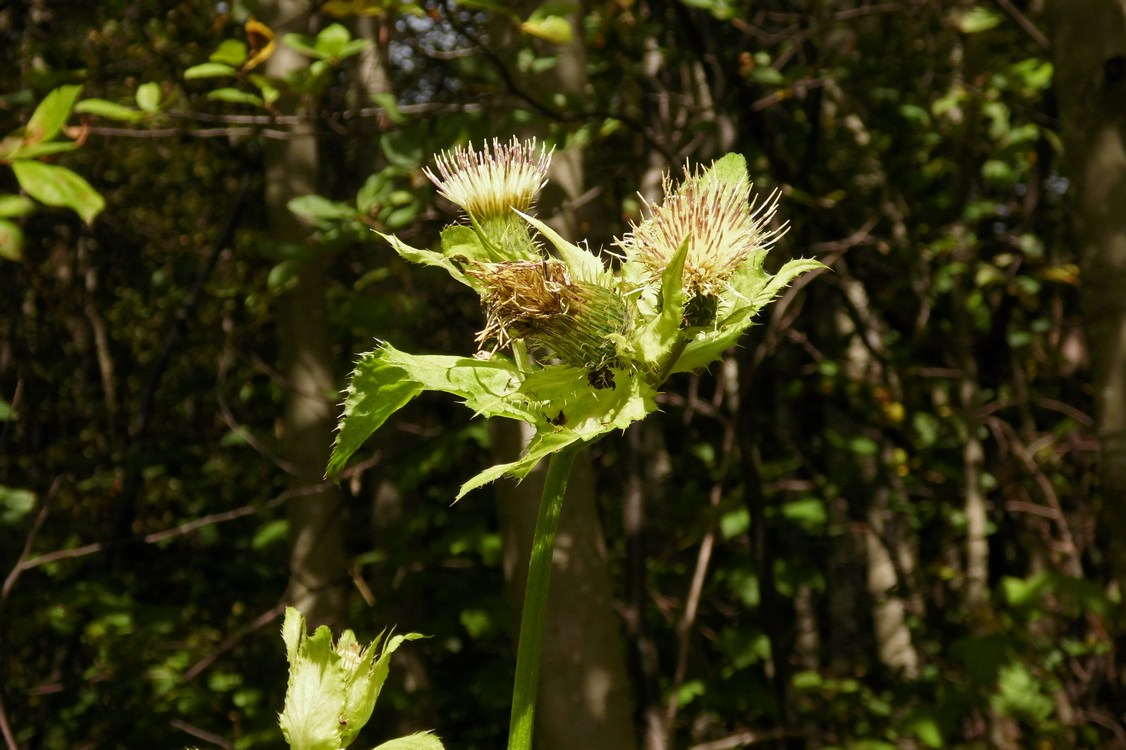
(601, 378)
(559, 420)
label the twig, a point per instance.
(257, 624)
(687, 620)
(1024, 22)
(202, 734)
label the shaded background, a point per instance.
(880, 523)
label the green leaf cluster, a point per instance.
(50, 184)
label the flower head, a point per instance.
(491, 182)
(712, 213)
(538, 301)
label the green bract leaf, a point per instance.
(581, 264)
(49, 116)
(462, 242)
(419, 741)
(428, 257)
(655, 339)
(109, 110)
(785, 276)
(58, 186)
(332, 687)
(756, 289)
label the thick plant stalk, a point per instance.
(533, 614)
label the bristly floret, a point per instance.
(491, 182)
(722, 229)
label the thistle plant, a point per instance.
(572, 346)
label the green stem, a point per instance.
(535, 600)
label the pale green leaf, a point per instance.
(977, 20)
(428, 257)
(377, 390)
(354, 47)
(234, 96)
(460, 241)
(386, 380)
(208, 70)
(731, 169)
(46, 148)
(303, 44)
(270, 87)
(11, 240)
(571, 411)
(230, 52)
(315, 694)
(318, 208)
(108, 110)
(51, 114)
(539, 447)
(418, 741)
(582, 265)
(58, 186)
(364, 681)
(149, 96)
(656, 337)
(15, 504)
(332, 40)
(785, 276)
(12, 206)
(390, 106)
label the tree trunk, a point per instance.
(318, 563)
(1089, 47)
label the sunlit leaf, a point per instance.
(15, 504)
(235, 96)
(58, 186)
(209, 70)
(11, 240)
(108, 110)
(149, 96)
(12, 206)
(230, 52)
(51, 114)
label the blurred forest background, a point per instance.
(884, 522)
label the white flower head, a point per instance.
(723, 230)
(489, 183)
